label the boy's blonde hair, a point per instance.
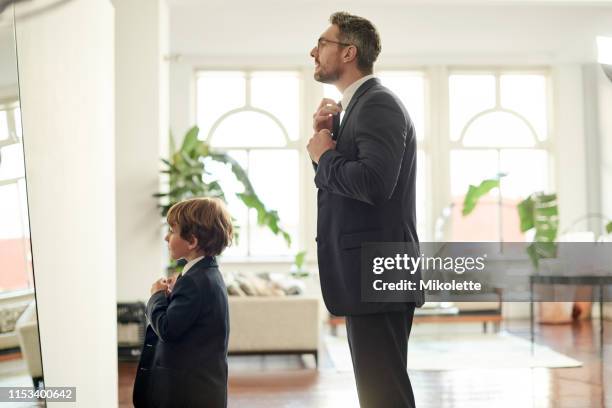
(206, 219)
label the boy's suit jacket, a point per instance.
(184, 358)
(366, 194)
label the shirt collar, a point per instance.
(191, 263)
(349, 92)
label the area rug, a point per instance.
(462, 351)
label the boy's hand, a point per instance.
(159, 285)
(170, 282)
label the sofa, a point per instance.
(12, 305)
(274, 325)
(29, 342)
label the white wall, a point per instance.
(570, 143)
(142, 137)
(421, 32)
(66, 65)
(605, 129)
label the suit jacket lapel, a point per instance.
(360, 91)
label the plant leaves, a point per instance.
(191, 140)
(299, 259)
(609, 228)
(525, 212)
(186, 168)
(475, 193)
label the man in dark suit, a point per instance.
(365, 165)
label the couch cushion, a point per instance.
(9, 315)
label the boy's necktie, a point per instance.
(336, 123)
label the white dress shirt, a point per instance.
(189, 264)
(350, 90)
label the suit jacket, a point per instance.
(184, 358)
(366, 193)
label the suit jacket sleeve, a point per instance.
(171, 317)
(380, 137)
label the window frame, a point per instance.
(547, 145)
(292, 145)
(436, 143)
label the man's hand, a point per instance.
(319, 143)
(159, 285)
(322, 118)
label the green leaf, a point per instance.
(525, 212)
(191, 140)
(609, 228)
(541, 250)
(299, 259)
(186, 168)
(476, 192)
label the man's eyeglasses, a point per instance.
(322, 41)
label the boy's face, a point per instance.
(178, 247)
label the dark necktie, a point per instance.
(336, 123)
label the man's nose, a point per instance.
(313, 52)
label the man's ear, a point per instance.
(350, 53)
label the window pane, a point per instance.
(4, 130)
(14, 238)
(468, 95)
(218, 93)
(11, 162)
(473, 166)
(522, 180)
(274, 174)
(499, 129)
(13, 201)
(526, 94)
(410, 88)
(279, 94)
(248, 129)
(223, 174)
(18, 122)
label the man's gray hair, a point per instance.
(362, 34)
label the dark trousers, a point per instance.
(379, 348)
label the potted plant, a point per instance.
(185, 169)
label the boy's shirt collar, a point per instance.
(208, 260)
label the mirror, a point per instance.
(20, 356)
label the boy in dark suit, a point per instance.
(184, 358)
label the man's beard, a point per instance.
(326, 77)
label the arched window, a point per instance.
(254, 116)
(498, 124)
